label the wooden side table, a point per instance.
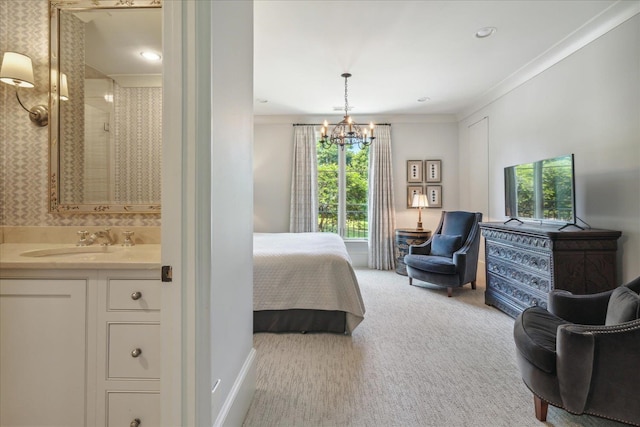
(406, 237)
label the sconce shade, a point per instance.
(420, 201)
(64, 87)
(17, 70)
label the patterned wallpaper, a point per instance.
(138, 138)
(23, 146)
(72, 112)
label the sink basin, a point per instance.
(72, 250)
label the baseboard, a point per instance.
(239, 399)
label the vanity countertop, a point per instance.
(44, 256)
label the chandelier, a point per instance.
(347, 132)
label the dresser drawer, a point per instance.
(133, 409)
(133, 294)
(133, 350)
(527, 279)
(514, 293)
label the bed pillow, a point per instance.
(624, 306)
(445, 244)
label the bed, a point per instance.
(304, 282)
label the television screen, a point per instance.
(541, 191)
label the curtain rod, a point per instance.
(334, 124)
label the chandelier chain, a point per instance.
(346, 98)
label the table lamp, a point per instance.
(419, 201)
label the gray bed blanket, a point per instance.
(305, 271)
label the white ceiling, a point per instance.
(114, 39)
(397, 51)
(400, 51)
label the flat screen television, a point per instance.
(541, 191)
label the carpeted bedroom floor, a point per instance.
(418, 359)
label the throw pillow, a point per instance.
(624, 306)
(445, 244)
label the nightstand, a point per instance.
(406, 237)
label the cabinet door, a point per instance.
(42, 352)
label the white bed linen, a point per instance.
(305, 271)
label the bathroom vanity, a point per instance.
(79, 335)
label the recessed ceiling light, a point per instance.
(151, 56)
(424, 99)
(485, 32)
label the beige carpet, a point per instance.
(418, 359)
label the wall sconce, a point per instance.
(17, 70)
(419, 201)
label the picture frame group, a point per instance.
(424, 171)
(433, 193)
(427, 172)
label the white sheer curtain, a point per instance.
(304, 181)
(382, 214)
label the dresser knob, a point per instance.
(136, 295)
(136, 352)
(135, 422)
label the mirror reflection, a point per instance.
(107, 82)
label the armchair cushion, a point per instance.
(535, 337)
(431, 263)
(445, 245)
(624, 306)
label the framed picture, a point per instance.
(414, 170)
(411, 190)
(433, 170)
(434, 195)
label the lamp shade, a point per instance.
(16, 70)
(420, 201)
(64, 87)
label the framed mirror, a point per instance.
(105, 125)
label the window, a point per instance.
(343, 187)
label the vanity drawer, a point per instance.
(133, 350)
(133, 294)
(133, 409)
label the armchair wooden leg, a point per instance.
(473, 284)
(449, 291)
(541, 408)
(410, 281)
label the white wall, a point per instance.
(208, 366)
(434, 138)
(272, 154)
(231, 294)
(412, 138)
(587, 104)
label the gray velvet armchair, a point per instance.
(582, 355)
(450, 257)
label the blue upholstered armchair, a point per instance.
(450, 257)
(582, 354)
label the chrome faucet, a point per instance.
(87, 239)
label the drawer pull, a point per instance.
(136, 352)
(135, 422)
(136, 295)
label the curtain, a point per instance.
(382, 215)
(304, 181)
